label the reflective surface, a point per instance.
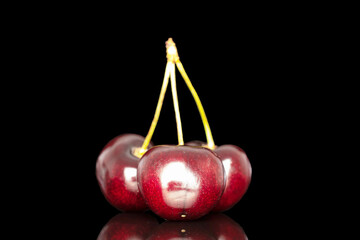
(181, 182)
(116, 171)
(126, 226)
(135, 226)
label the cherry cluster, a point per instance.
(176, 182)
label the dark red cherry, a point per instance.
(180, 182)
(237, 174)
(128, 226)
(116, 172)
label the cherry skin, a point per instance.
(128, 226)
(237, 174)
(116, 172)
(180, 182)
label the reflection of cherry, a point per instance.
(194, 230)
(213, 226)
(180, 182)
(223, 227)
(237, 174)
(116, 170)
(128, 226)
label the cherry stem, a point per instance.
(143, 149)
(209, 137)
(172, 56)
(176, 104)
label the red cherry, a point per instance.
(180, 182)
(237, 174)
(128, 226)
(116, 171)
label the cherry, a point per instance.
(213, 226)
(128, 226)
(116, 171)
(180, 182)
(237, 174)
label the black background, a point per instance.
(96, 77)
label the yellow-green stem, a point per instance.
(148, 137)
(176, 103)
(209, 137)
